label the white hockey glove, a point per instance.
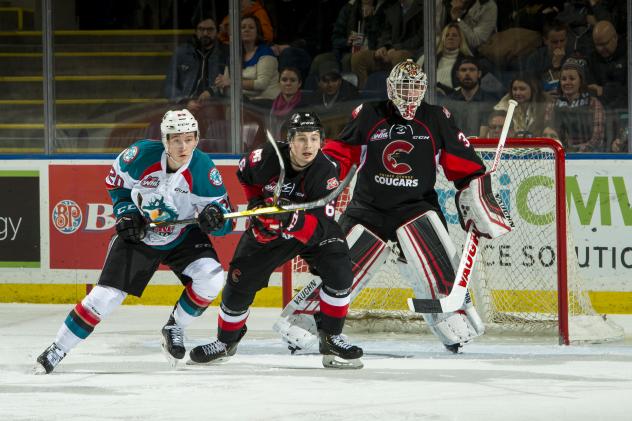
(478, 205)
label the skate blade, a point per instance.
(332, 361)
(171, 360)
(216, 361)
(39, 369)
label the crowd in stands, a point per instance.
(564, 62)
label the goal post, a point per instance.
(525, 281)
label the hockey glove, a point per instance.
(131, 227)
(211, 218)
(478, 205)
(263, 228)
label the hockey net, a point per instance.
(527, 282)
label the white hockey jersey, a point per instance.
(139, 182)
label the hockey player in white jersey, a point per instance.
(153, 181)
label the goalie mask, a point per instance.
(406, 86)
(304, 122)
(178, 121)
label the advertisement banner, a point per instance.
(82, 221)
(19, 219)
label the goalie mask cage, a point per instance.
(526, 282)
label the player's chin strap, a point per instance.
(454, 300)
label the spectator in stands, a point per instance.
(358, 25)
(401, 37)
(195, 66)
(494, 126)
(469, 102)
(249, 8)
(608, 67)
(333, 91)
(546, 62)
(529, 115)
(580, 16)
(477, 20)
(576, 117)
(288, 54)
(452, 49)
(289, 99)
(260, 75)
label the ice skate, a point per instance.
(173, 342)
(48, 360)
(215, 352)
(338, 353)
(454, 348)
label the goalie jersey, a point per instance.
(397, 158)
(139, 182)
(259, 172)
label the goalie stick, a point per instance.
(269, 210)
(454, 300)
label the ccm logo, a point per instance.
(471, 254)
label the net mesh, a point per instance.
(516, 284)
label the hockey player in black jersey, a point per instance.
(272, 240)
(398, 144)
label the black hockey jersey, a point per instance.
(398, 158)
(259, 172)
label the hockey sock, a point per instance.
(189, 306)
(333, 310)
(230, 324)
(78, 325)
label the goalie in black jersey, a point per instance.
(398, 144)
(272, 240)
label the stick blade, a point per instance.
(424, 305)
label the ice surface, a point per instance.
(120, 373)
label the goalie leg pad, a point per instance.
(431, 262)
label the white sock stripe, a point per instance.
(233, 319)
(333, 301)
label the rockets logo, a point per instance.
(129, 154)
(392, 153)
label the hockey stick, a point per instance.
(269, 210)
(277, 189)
(454, 301)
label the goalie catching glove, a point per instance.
(131, 227)
(478, 205)
(211, 218)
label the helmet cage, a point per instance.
(178, 121)
(406, 87)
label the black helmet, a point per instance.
(304, 122)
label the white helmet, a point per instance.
(178, 121)
(406, 87)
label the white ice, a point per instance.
(120, 373)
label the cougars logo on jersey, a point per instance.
(391, 154)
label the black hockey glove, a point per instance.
(131, 227)
(211, 218)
